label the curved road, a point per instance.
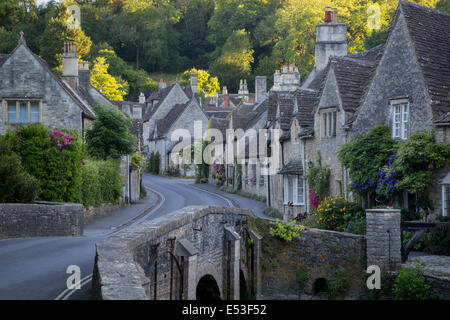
(35, 268)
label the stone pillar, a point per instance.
(135, 184)
(187, 250)
(257, 243)
(234, 239)
(383, 236)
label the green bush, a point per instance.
(286, 231)
(438, 242)
(152, 165)
(339, 214)
(411, 284)
(338, 284)
(16, 185)
(53, 157)
(101, 182)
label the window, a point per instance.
(22, 111)
(329, 123)
(400, 120)
(294, 190)
(446, 200)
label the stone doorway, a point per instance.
(207, 289)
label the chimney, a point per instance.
(334, 18)
(260, 88)
(194, 83)
(162, 84)
(70, 64)
(331, 39)
(227, 97)
(84, 74)
(328, 15)
(142, 98)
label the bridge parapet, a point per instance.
(165, 258)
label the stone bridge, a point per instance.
(203, 253)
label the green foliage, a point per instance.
(53, 157)
(16, 185)
(339, 214)
(109, 135)
(138, 80)
(302, 277)
(234, 60)
(416, 158)
(153, 163)
(319, 179)
(364, 155)
(202, 171)
(101, 182)
(207, 85)
(438, 242)
(56, 32)
(106, 83)
(137, 160)
(443, 5)
(286, 230)
(338, 284)
(411, 284)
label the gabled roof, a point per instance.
(220, 124)
(430, 32)
(352, 74)
(306, 100)
(164, 125)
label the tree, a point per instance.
(110, 136)
(443, 5)
(106, 83)
(56, 32)
(234, 62)
(138, 80)
(207, 85)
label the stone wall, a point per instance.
(144, 261)
(293, 270)
(103, 210)
(41, 220)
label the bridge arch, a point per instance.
(207, 289)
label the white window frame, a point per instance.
(328, 118)
(400, 118)
(295, 195)
(7, 103)
(444, 200)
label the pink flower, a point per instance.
(83, 163)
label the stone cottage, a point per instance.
(410, 89)
(32, 93)
(181, 116)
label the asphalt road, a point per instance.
(35, 268)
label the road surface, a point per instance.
(35, 268)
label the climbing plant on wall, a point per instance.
(319, 179)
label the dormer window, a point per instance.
(329, 120)
(400, 116)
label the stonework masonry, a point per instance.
(384, 238)
(41, 220)
(165, 258)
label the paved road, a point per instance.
(36, 268)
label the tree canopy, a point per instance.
(109, 135)
(231, 39)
